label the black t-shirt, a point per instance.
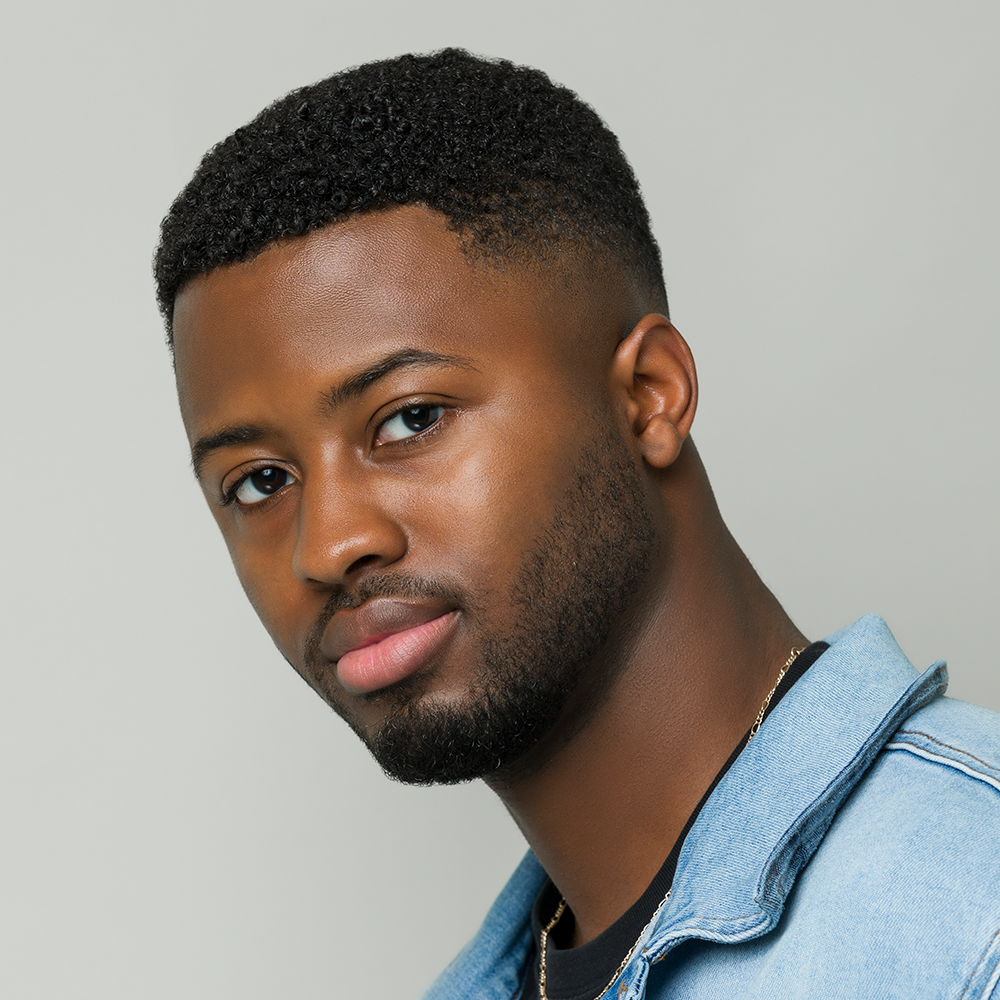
(583, 973)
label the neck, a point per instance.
(704, 647)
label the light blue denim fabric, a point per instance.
(851, 851)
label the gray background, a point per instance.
(181, 817)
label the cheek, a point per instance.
(485, 508)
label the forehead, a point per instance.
(339, 298)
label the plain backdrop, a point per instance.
(181, 817)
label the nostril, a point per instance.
(362, 562)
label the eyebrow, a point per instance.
(228, 437)
(409, 357)
(333, 398)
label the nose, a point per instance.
(342, 531)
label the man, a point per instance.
(440, 414)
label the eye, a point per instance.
(260, 484)
(408, 423)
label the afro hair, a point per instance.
(518, 165)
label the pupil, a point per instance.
(419, 418)
(268, 480)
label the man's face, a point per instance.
(418, 471)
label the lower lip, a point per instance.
(393, 658)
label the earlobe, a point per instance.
(654, 370)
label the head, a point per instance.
(424, 364)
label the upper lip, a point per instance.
(373, 621)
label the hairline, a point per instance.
(551, 264)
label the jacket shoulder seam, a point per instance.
(945, 746)
(943, 753)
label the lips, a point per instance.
(385, 641)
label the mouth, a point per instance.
(385, 641)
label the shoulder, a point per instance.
(930, 803)
(937, 781)
(910, 862)
(951, 734)
(925, 819)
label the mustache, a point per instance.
(392, 585)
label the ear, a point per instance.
(653, 373)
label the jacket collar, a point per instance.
(768, 814)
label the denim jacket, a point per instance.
(851, 851)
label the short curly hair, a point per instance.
(519, 166)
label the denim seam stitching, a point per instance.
(743, 917)
(955, 765)
(947, 746)
(975, 971)
(992, 981)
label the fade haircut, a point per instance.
(521, 168)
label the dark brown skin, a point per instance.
(260, 344)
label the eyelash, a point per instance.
(228, 498)
(420, 436)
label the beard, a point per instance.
(572, 588)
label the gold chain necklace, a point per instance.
(770, 694)
(543, 938)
